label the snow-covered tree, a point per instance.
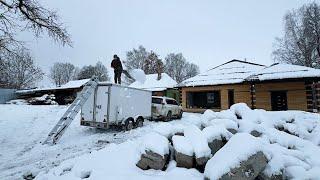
(61, 73)
(301, 42)
(177, 67)
(99, 70)
(19, 71)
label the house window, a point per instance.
(204, 99)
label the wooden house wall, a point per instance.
(296, 94)
(241, 94)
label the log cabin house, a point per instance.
(276, 87)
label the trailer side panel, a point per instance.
(128, 102)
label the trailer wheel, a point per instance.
(128, 125)
(139, 122)
(169, 116)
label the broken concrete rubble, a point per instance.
(151, 160)
(248, 169)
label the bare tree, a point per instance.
(159, 68)
(301, 42)
(99, 70)
(177, 67)
(191, 70)
(136, 58)
(21, 15)
(86, 72)
(2, 73)
(150, 65)
(20, 71)
(61, 73)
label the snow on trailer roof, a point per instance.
(284, 71)
(153, 84)
(69, 85)
(231, 72)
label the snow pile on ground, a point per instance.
(182, 145)
(198, 140)
(24, 127)
(18, 102)
(238, 149)
(216, 132)
(156, 143)
(168, 130)
(289, 140)
(43, 100)
(114, 162)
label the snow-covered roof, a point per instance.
(284, 71)
(236, 71)
(232, 72)
(153, 84)
(70, 85)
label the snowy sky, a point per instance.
(207, 32)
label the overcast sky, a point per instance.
(207, 32)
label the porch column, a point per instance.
(253, 95)
(313, 96)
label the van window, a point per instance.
(157, 100)
(172, 102)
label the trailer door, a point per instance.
(101, 104)
(87, 109)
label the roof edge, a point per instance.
(237, 60)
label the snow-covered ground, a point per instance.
(23, 127)
(290, 140)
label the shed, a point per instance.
(64, 94)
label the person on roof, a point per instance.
(117, 66)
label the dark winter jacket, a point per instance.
(116, 64)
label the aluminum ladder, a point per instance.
(64, 122)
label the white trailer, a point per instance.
(115, 105)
